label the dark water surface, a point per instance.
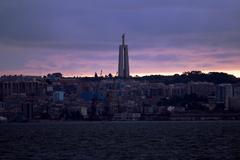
(121, 140)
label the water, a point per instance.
(121, 140)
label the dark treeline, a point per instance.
(214, 77)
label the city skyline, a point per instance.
(80, 38)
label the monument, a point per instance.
(123, 62)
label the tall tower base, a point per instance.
(123, 61)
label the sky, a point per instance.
(81, 37)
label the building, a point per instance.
(157, 90)
(27, 110)
(234, 103)
(19, 85)
(58, 96)
(203, 89)
(123, 62)
(178, 89)
(236, 90)
(224, 93)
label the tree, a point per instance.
(110, 75)
(96, 75)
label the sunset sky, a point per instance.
(81, 37)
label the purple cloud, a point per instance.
(80, 37)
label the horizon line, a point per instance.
(133, 75)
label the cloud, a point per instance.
(82, 36)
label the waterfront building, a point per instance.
(224, 92)
(18, 85)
